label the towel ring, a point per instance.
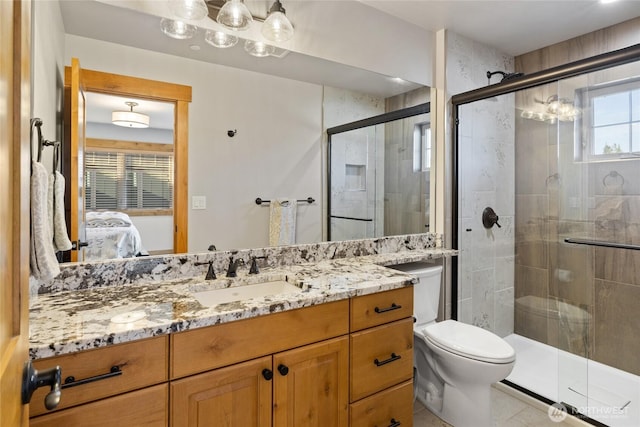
(553, 178)
(614, 175)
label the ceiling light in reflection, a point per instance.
(220, 39)
(258, 49)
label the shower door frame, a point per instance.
(392, 116)
(552, 75)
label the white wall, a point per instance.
(48, 72)
(109, 131)
(276, 152)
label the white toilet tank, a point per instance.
(426, 293)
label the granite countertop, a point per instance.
(70, 321)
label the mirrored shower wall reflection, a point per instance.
(560, 165)
(380, 175)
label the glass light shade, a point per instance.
(258, 49)
(189, 9)
(220, 39)
(177, 29)
(277, 26)
(235, 15)
(130, 119)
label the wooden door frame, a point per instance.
(154, 90)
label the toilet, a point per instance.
(454, 363)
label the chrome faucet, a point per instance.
(233, 266)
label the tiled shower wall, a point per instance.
(406, 192)
(486, 178)
(598, 289)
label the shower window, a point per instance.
(612, 126)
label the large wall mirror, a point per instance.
(255, 131)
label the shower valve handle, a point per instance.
(489, 218)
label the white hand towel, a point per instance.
(60, 235)
(282, 222)
(44, 264)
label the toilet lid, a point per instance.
(469, 341)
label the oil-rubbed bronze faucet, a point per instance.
(233, 266)
(254, 264)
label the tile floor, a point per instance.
(507, 410)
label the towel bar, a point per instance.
(601, 243)
(309, 200)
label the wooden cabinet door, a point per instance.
(235, 396)
(311, 385)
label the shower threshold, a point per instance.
(602, 393)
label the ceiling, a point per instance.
(514, 27)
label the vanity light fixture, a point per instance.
(235, 15)
(130, 119)
(258, 49)
(562, 108)
(194, 10)
(277, 26)
(177, 29)
(220, 39)
(556, 108)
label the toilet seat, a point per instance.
(468, 341)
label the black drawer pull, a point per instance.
(394, 423)
(70, 381)
(394, 306)
(389, 360)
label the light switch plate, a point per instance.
(198, 202)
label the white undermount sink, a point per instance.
(214, 297)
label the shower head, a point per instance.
(505, 75)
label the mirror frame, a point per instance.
(180, 97)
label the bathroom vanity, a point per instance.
(339, 352)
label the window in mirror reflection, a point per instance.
(129, 181)
(422, 147)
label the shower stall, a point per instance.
(379, 175)
(556, 155)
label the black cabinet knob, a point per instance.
(284, 370)
(267, 374)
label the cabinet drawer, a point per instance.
(381, 357)
(393, 405)
(147, 407)
(383, 307)
(212, 347)
(142, 363)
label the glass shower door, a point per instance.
(354, 183)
